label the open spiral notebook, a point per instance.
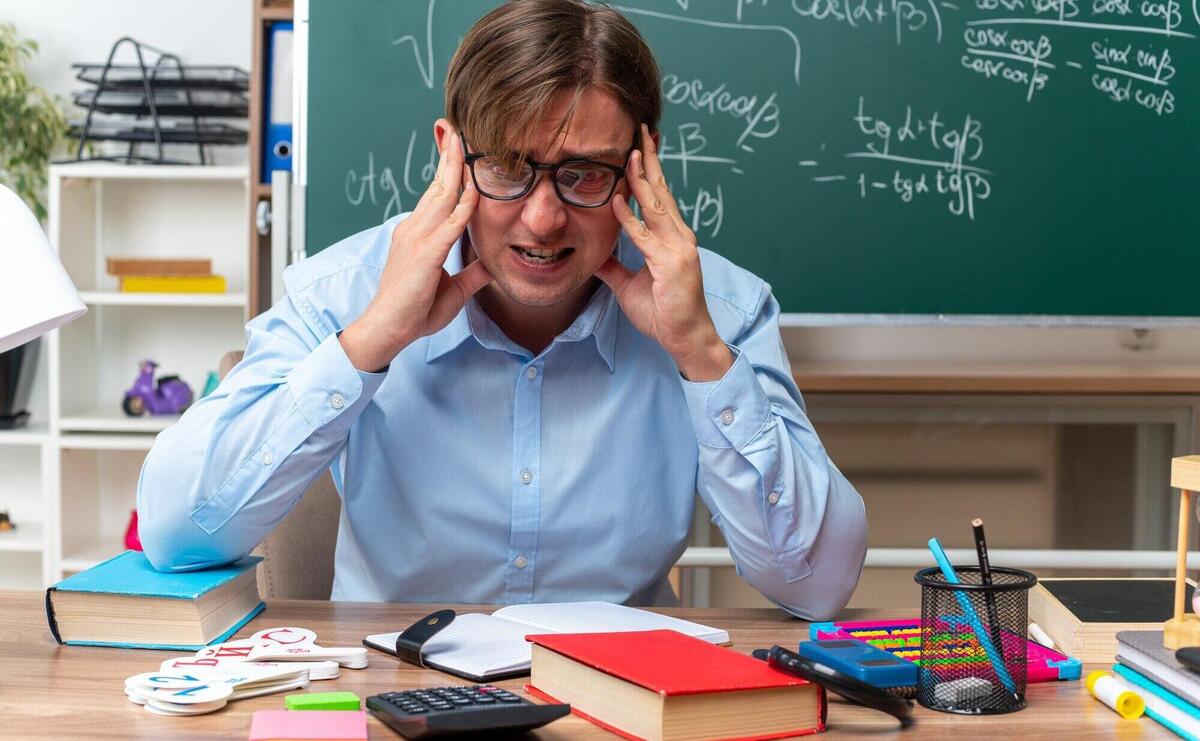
(483, 647)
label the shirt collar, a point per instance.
(598, 319)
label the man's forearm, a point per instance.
(794, 525)
(216, 483)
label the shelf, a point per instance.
(99, 420)
(122, 298)
(26, 538)
(92, 553)
(102, 441)
(114, 171)
(33, 434)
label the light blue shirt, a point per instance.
(471, 471)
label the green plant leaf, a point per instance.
(32, 123)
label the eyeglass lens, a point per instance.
(581, 183)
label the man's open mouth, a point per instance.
(542, 257)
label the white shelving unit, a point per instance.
(69, 478)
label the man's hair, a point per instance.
(517, 59)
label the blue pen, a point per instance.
(981, 635)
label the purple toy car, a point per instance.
(169, 395)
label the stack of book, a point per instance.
(1171, 690)
(157, 275)
(124, 603)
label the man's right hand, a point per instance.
(416, 295)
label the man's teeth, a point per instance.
(544, 256)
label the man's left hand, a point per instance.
(665, 298)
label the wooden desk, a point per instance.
(52, 691)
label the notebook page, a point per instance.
(602, 617)
(474, 643)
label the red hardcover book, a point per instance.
(660, 684)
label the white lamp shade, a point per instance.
(36, 295)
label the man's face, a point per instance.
(578, 240)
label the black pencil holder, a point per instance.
(973, 641)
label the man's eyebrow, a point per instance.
(594, 154)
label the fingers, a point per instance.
(616, 275)
(638, 230)
(648, 185)
(654, 172)
(442, 194)
(471, 278)
(446, 233)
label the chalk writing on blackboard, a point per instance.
(927, 155)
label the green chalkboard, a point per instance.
(911, 157)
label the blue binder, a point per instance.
(277, 118)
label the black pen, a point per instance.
(985, 578)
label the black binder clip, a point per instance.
(409, 643)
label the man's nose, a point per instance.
(542, 212)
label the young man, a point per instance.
(521, 385)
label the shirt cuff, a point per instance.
(326, 384)
(731, 411)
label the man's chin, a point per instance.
(539, 296)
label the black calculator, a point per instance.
(443, 711)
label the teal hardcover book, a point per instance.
(123, 602)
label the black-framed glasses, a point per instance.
(578, 182)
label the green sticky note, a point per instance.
(322, 701)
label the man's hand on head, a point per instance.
(665, 298)
(416, 296)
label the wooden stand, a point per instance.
(1183, 629)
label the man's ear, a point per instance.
(656, 137)
(441, 128)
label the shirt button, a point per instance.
(267, 458)
(526, 476)
(727, 417)
(337, 401)
(773, 497)
(520, 562)
(531, 373)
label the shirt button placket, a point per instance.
(527, 434)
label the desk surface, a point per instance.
(52, 691)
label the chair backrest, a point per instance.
(298, 554)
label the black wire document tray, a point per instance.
(157, 101)
(173, 102)
(127, 76)
(171, 133)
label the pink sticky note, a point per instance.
(323, 725)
